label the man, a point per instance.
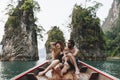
(70, 56)
(71, 48)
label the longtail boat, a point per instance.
(87, 72)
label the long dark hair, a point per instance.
(57, 52)
(61, 44)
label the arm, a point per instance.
(76, 52)
(53, 55)
(52, 46)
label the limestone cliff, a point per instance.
(87, 34)
(20, 38)
(112, 17)
(113, 35)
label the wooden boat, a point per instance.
(87, 72)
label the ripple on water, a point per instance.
(111, 67)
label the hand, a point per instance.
(52, 43)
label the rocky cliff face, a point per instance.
(87, 34)
(112, 16)
(20, 38)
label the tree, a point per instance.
(21, 33)
(15, 14)
(86, 30)
(53, 35)
(113, 39)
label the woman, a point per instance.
(57, 54)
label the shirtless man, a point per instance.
(70, 57)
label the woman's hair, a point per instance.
(56, 52)
(61, 44)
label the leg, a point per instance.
(58, 66)
(73, 61)
(65, 68)
(52, 65)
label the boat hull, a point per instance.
(87, 72)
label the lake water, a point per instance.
(111, 66)
(10, 69)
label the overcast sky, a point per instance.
(55, 13)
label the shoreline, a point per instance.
(113, 58)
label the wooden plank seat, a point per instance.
(83, 69)
(94, 76)
(31, 76)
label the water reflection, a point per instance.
(10, 69)
(0, 72)
(111, 67)
(42, 55)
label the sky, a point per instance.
(55, 13)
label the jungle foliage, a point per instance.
(86, 30)
(113, 40)
(24, 11)
(54, 35)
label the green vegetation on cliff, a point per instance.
(113, 40)
(20, 37)
(53, 35)
(24, 11)
(86, 30)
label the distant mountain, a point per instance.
(111, 27)
(42, 53)
(0, 49)
(112, 17)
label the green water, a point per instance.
(10, 69)
(112, 66)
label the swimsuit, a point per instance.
(71, 65)
(59, 57)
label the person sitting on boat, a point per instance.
(57, 54)
(69, 59)
(70, 53)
